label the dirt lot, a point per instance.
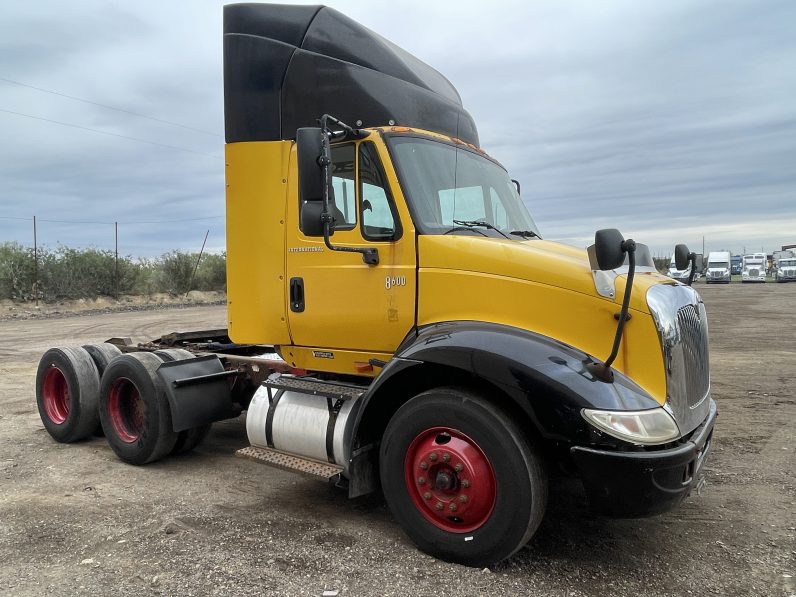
(75, 520)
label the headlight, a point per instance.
(646, 427)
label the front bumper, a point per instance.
(644, 483)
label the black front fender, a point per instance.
(547, 379)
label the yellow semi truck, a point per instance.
(396, 320)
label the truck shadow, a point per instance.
(571, 536)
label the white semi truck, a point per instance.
(754, 267)
(681, 275)
(718, 267)
(786, 270)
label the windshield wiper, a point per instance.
(470, 228)
(473, 223)
(525, 233)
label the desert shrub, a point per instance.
(16, 272)
(174, 272)
(67, 273)
(212, 272)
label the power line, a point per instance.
(85, 101)
(97, 222)
(85, 128)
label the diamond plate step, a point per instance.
(316, 387)
(289, 462)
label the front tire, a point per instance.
(461, 478)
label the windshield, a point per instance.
(718, 265)
(449, 188)
(787, 262)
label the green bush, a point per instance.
(67, 273)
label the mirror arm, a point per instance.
(603, 370)
(692, 259)
(369, 256)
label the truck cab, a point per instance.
(387, 249)
(736, 265)
(681, 275)
(754, 267)
(786, 270)
(718, 270)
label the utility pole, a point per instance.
(35, 263)
(116, 261)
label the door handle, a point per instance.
(297, 295)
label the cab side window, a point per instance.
(344, 186)
(379, 217)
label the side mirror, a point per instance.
(681, 256)
(609, 248)
(310, 220)
(309, 147)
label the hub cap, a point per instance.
(55, 396)
(450, 480)
(126, 409)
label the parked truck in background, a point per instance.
(736, 265)
(718, 269)
(754, 267)
(681, 275)
(786, 270)
(395, 320)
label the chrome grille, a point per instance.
(683, 327)
(754, 272)
(694, 342)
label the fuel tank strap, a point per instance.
(269, 420)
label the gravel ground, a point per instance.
(75, 520)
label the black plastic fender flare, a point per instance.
(546, 379)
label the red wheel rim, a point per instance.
(450, 480)
(55, 396)
(126, 409)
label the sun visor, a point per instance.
(285, 66)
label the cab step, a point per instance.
(317, 387)
(289, 462)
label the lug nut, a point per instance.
(452, 508)
(432, 457)
(463, 499)
(465, 483)
(421, 480)
(446, 457)
(438, 506)
(458, 468)
(427, 495)
(424, 465)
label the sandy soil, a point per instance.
(75, 520)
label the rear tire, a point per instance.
(134, 410)
(187, 439)
(499, 493)
(67, 393)
(101, 354)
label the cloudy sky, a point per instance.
(668, 120)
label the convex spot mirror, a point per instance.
(681, 257)
(608, 248)
(310, 220)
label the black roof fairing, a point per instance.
(285, 66)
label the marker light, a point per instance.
(645, 427)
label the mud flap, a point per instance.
(194, 399)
